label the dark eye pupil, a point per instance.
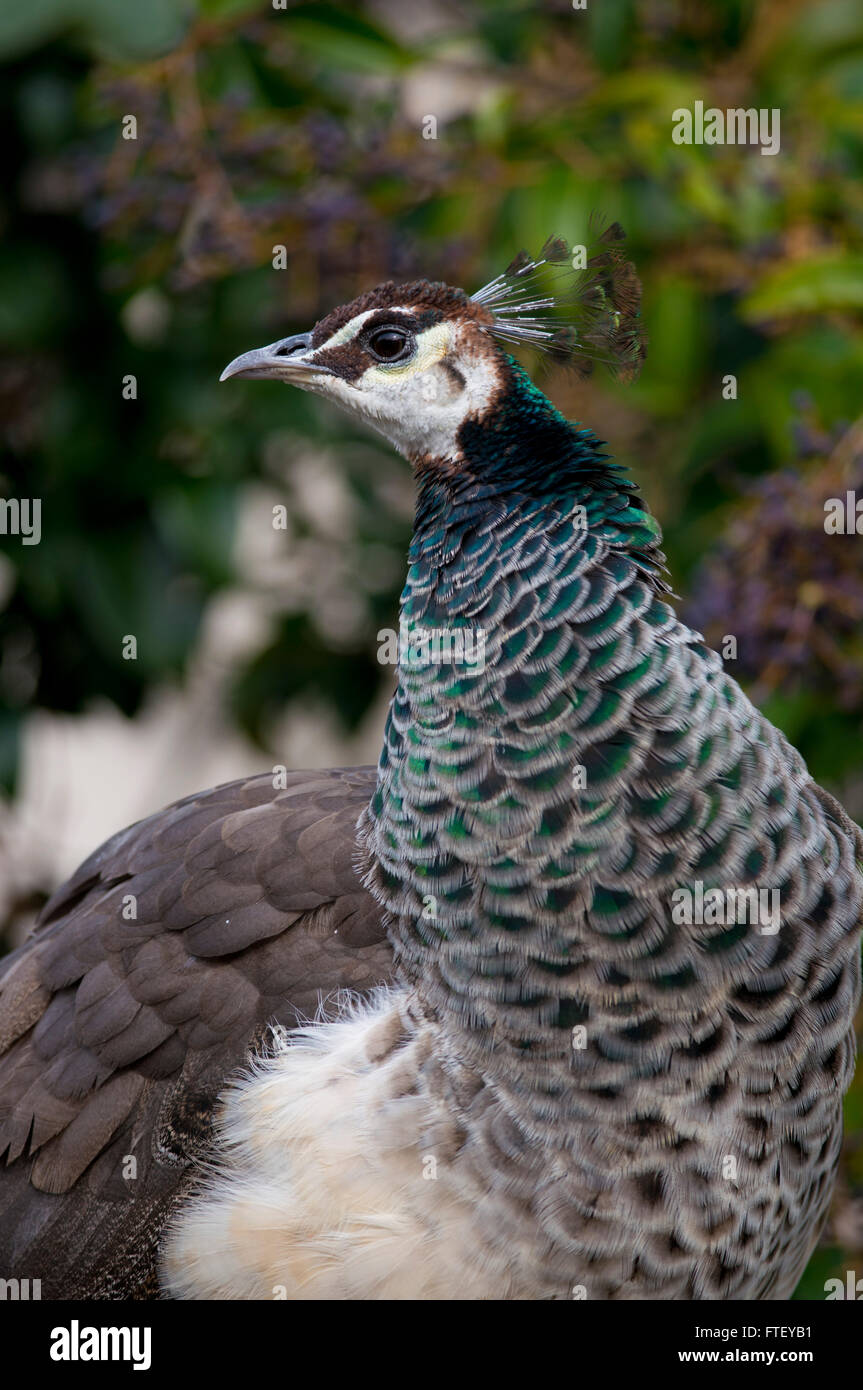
(387, 343)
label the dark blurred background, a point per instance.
(303, 127)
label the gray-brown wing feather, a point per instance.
(151, 974)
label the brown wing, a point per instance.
(150, 975)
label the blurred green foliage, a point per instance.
(302, 126)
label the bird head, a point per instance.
(417, 361)
(410, 360)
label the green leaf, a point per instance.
(832, 281)
(342, 39)
(124, 28)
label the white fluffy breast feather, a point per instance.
(327, 1184)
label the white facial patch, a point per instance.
(421, 404)
(351, 329)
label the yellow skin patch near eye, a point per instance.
(432, 345)
(418, 405)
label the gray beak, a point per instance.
(285, 361)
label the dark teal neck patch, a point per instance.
(524, 456)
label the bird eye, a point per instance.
(389, 343)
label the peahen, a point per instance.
(588, 941)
